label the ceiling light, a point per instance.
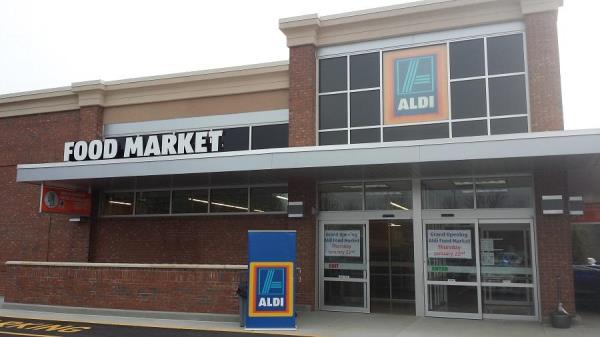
(282, 197)
(398, 206)
(198, 200)
(395, 225)
(119, 203)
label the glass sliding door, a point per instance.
(507, 274)
(452, 269)
(344, 271)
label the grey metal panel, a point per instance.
(475, 148)
(199, 123)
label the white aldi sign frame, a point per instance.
(449, 244)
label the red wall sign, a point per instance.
(65, 201)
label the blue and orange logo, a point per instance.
(271, 289)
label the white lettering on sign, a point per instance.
(449, 244)
(271, 302)
(413, 103)
(342, 243)
(145, 146)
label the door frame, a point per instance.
(475, 284)
(366, 280)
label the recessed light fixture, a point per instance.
(119, 203)
(398, 206)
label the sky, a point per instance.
(46, 44)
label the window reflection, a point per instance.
(447, 194)
(117, 203)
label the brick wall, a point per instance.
(554, 244)
(25, 234)
(174, 289)
(303, 73)
(543, 62)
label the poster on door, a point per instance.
(342, 243)
(449, 244)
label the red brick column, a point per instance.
(303, 74)
(553, 243)
(304, 189)
(90, 122)
(543, 61)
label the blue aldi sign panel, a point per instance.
(415, 85)
(272, 256)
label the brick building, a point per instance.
(431, 132)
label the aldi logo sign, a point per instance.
(271, 289)
(415, 85)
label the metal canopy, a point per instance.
(412, 158)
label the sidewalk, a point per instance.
(332, 324)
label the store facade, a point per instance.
(413, 148)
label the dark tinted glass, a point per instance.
(333, 137)
(269, 136)
(471, 128)
(341, 197)
(364, 108)
(117, 203)
(512, 192)
(268, 199)
(365, 136)
(332, 74)
(505, 54)
(190, 201)
(394, 195)
(508, 96)
(333, 111)
(447, 193)
(229, 200)
(364, 71)
(152, 202)
(467, 59)
(468, 99)
(236, 139)
(416, 132)
(508, 125)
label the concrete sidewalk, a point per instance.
(332, 324)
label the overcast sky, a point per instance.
(46, 44)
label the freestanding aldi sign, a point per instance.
(271, 260)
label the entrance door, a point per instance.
(391, 266)
(344, 273)
(452, 269)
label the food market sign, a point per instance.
(145, 146)
(449, 244)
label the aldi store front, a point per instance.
(422, 163)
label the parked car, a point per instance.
(587, 284)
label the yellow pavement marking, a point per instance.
(24, 334)
(166, 326)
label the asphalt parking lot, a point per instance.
(11, 326)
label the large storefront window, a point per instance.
(196, 201)
(466, 193)
(456, 89)
(372, 195)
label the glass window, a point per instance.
(228, 200)
(152, 202)
(341, 197)
(458, 265)
(117, 203)
(268, 199)
(332, 74)
(365, 136)
(269, 136)
(470, 128)
(364, 71)
(364, 108)
(505, 253)
(508, 96)
(236, 139)
(468, 99)
(508, 125)
(347, 294)
(416, 132)
(448, 194)
(467, 59)
(333, 137)
(505, 54)
(333, 112)
(388, 195)
(512, 192)
(450, 298)
(508, 301)
(190, 201)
